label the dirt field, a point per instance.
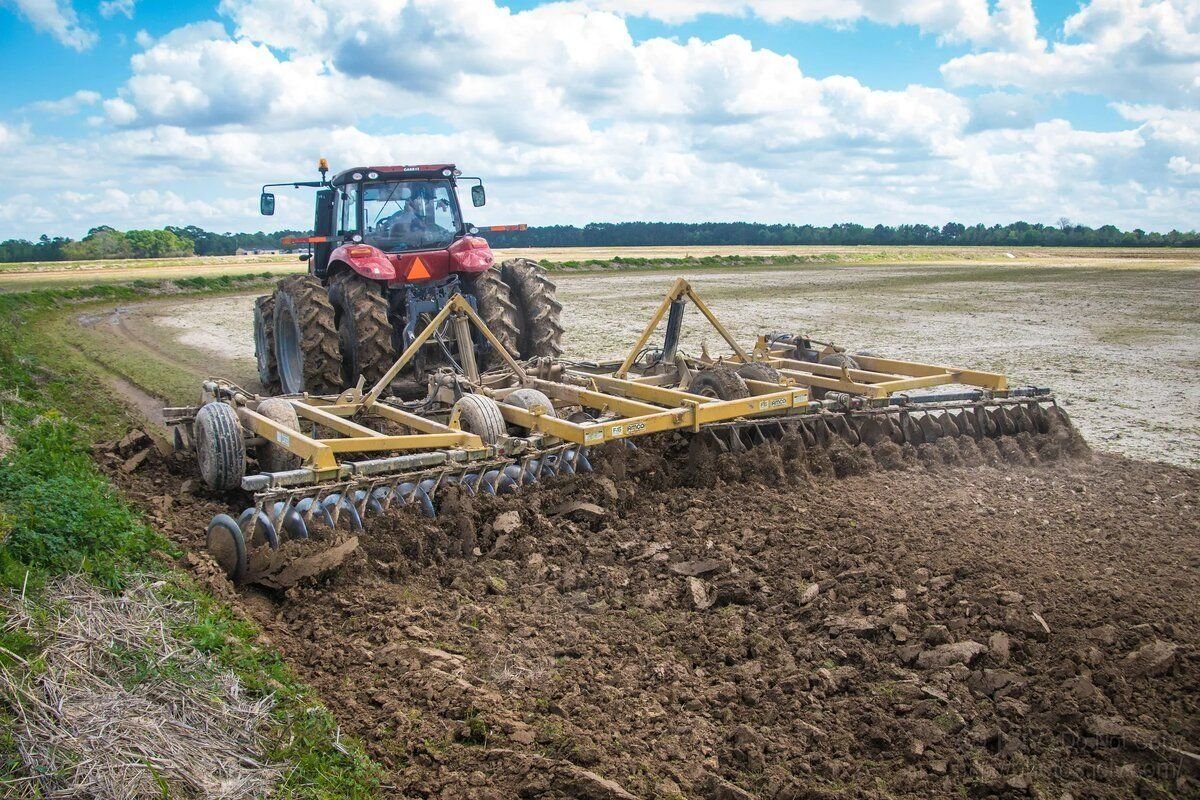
(1118, 340)
(937, 631)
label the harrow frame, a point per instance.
(620, 400)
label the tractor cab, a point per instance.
(400, 209)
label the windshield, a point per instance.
(409, 215)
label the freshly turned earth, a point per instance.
(932, 624)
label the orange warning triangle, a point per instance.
(418, 270)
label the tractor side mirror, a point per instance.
(478, 195)
(266, 204)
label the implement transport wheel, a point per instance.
(758, 371)
(272, 457)
(493, 301)
(481, 416)
(832, 360)
(364, 330)
(306, 340)
(720, 383)
(534, 296)
(264, 342)
(530, 398)
(220, 449)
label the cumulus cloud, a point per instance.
(1011, 21)
(572, 120)
(1133, 50)
(57, 18)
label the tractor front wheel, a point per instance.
(306, 340)
(364, 330)
(540, 312)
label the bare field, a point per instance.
(31, 275)
(1121, 347)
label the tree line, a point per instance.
(106, 242)
(680, 234)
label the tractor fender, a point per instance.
(471, 254)
(368, 261)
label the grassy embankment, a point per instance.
(60, 515)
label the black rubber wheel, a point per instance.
(720, 383)
(529, 398)
(758, 371)
(481, 416)
(838, 359)
(833, 360)
(306, 340)
(364, 330)
(493, 301)
(228, 546)
(264, 343)
(271, 456)
(220, 448)
(540, 328)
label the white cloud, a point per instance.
(110, 8)
(66, 106)
(572, 121)
(57, 18)
(1012, 21)
(1135, 50)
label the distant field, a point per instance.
(28, 275)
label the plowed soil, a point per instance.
(942, 623)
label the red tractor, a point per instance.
(388, 251)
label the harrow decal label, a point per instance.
(634, 427)
(593, 436)
(617, 429)
(283, 438)
(779, 402)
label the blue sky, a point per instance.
(805, 111)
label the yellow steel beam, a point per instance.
(650, 393)
(591, 399)
(315, 453)
(383, 444)
(332, 420)
(969, 377)
(674, 293)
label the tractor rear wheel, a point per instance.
(493, 301)
(306, 340)
(264, 343)
(540, 329)
(364, 330)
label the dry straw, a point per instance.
(115, 706)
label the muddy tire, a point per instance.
(306, 340)
(757, 371)
(264, 343)
(481, 416)
(271, 457)
(832, 360)
(220, 448)
(493, 301)
(540, 329)
(529, 398)
(721, 383)
(365, 335)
